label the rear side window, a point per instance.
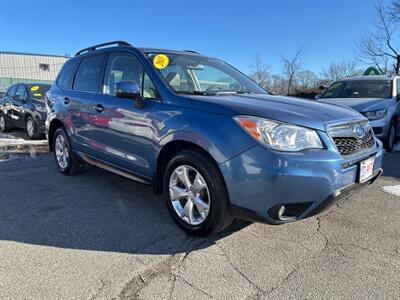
(88, 76)
(67, 74)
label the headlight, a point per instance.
(41, 108)
(375, 115)
(279, 136)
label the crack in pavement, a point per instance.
(258, 289)
(300, 263)
(169, 267)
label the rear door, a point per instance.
(80, 104)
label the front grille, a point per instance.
(352, 145)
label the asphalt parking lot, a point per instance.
(98, 235)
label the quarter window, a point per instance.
(121, 67)
(87, 77)
(67, 74)
(11, 91)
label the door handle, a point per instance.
(99, 108)
(66, 101)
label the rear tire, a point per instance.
(391, 137)
(201, 206)
(4, 125)
(66, 161)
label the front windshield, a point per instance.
(360, 89)
(192, 74)
(38, 91)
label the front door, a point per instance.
(18, 106)
(128, 134)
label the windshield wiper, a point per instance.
(224, 93)
(192, 93)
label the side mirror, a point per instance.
(318, 96)
(129, 89)
(322, 87)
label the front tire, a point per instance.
(67, 163)
(196, 195)
(391, 137)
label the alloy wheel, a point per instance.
(61, 151)
(189, 195)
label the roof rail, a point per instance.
(191, 51)
(95, 47)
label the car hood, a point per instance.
(303, 112)
(360, 104)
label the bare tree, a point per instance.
(394, 11)
(278, 84)
(306, 79)
(339, 70)
(291, 67)
(260, 72)
(381, 45)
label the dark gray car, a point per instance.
(375, 97)
(23, 107)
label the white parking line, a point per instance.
(392, 189)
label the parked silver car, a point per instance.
(375, 97)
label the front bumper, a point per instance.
(260, 180)
(380, 127)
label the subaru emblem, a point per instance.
(359, 131)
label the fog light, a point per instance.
(281, 211)
(288, 212)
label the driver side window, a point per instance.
(21, 92)
(121, 67)
(334, 90)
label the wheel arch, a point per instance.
(167, 152)
(54, 125)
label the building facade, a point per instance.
(28, 67)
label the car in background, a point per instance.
(376, 97)
(214, 142)
(23, 106)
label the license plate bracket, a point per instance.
(366, 169)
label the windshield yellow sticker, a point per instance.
(37, 95)
(35, 88)
(160, 61)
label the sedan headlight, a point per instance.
(280, 136)
(375, 115)
(41, 108)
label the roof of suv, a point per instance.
(371, 77)
(115, 45)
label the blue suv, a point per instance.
(376, 97)
(215, 143)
